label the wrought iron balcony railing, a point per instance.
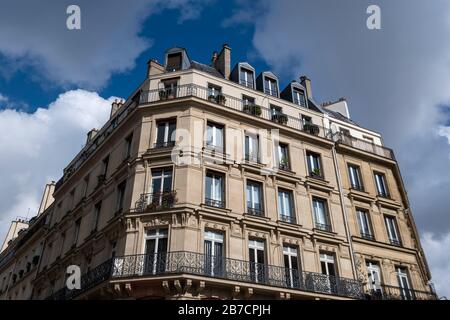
(395, 242)
(323, 227)
(287, 218)
(367, 236)
(155, 201)
(358, 187)
(385, 292)
(232, 269)
(166, 144)
(366, 146)
(255, 211)
(214, 203)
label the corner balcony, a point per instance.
(385, 292)
(151, 202)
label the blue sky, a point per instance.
(396, 80)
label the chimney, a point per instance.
(223, 62)
(115, 106)
(154, 68)
(91, 135)
(47, 197)
(304, 81)
(214, 58)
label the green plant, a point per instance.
(317, 171)
(221, 99)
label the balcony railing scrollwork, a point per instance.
(386, 292)
(149, 202)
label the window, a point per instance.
(86, 185)
(314, 165)
(155, 251)
(321, 214)
(391, 227)
(214, 194)
(403, 283)
(71, 200)
(306, 120)
(327, 265)
(128, 144)
(161, 185)
(380, 181)
(365, 227)
(252, 147)
(291, 265)
(97, 209)
(174, 61)
(257, 260)
(355, 177)
(77, 231)
(165, 136)
(214, 91)
(299, 98)
(286, 206)
(120, 196)
(214, 253)
(254, 198)
(105, 164)
(374, 278)
(282, 156)
(169, 90)
(270, 86)
(248, 101)
(246, 78)
(214, 137)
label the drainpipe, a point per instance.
(344, 210)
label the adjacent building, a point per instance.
(213, 182)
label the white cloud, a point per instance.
(436, 250)
(3, 99)
(444, 132)
(34, 33)
(36, 147)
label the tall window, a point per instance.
(403, 283)
(380, 180)
(214, 253)
(128, 144)
(257, 260)
(77, 231)
(246, 78)
(314, 164)
(105, 165)
(365, 227)
(290, 256)
(214, 137)
(161, 184)
(174, 61)
(97, 210)
(270, 86)
(169, 90)
(165, 136)
(252, 147)
(248, 101)
(355, 177)
(120, 195)
(155, 251)
(328, 268)
(306, 120)
(282, 156)
(321, 214)
(286, 206)
(214, 193)
(374, 277)
(299, 97)
(214, 91)
(254, 198)
(392, 230)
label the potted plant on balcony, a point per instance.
(212, 98)
(252, 109)
(311, 128)
(162, 94)
(317, 173)
(221, 99)
(171, 93)
(280, 118)
(284, 163)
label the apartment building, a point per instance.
(210, 182)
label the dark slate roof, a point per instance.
(340, 116)
(205, 68)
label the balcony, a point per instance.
(280, 118)
(162, 145)
(252, 109)
(236, 270)
(385, 292)
(323, 227)
(366, 146)
(311, 129)
(287, 218)
(151, 202)
(255, 212)
(215, 203)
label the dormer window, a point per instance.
(246, 78)
(270, 87)
(298, 97)
(174, 61)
